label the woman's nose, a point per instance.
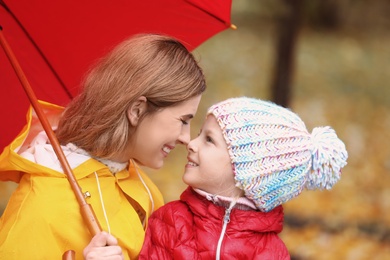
(184, 137)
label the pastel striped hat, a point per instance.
(274, 157)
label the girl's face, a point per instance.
(209, 167)
(157, 134)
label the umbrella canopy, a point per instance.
(56, 42)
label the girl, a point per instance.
(250, 157)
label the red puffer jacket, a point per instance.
(190, 229)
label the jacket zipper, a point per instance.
(226, 220)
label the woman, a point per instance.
(134, 108)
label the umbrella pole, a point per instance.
(86, 209)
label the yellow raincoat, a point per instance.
(42, 219)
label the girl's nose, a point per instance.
(191, 147)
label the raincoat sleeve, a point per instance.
(42, 219)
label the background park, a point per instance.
(328, 60)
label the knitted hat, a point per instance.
(274, 157)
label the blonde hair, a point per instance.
(155, 66)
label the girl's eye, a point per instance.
(208, 139)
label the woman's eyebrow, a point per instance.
(188, 116)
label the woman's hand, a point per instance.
(103, 246)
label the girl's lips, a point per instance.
(191, 163)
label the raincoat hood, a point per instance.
(12, 165)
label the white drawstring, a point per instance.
(102, 202)
(146, 187)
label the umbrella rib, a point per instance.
(38, 49)
(211, 14)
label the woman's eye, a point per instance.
(184, 122)
(208, 139)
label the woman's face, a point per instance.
(209, 166)
(158, 134)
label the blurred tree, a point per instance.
(323, 14)
(288, 26)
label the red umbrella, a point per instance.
(56, 42)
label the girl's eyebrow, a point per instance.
(209, 131)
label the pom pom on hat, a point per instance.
(273, 155)
(329, 156)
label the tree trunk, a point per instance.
(286, 39)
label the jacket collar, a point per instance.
(241, 203)
(250, 220)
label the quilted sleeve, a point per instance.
(274, 248)
(161, 236)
